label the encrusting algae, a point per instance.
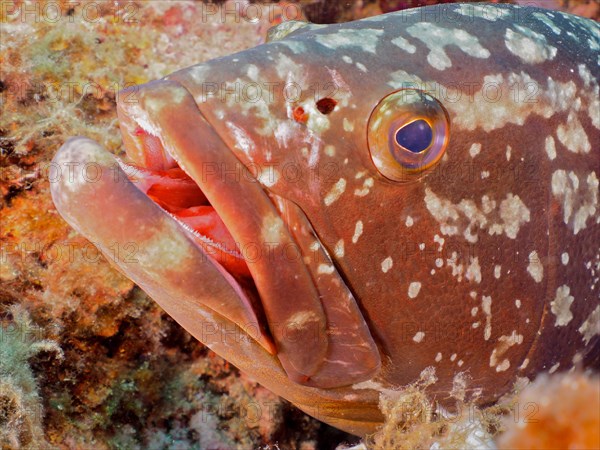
(21, 409)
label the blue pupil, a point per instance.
(415, 137)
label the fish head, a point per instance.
(382, 201)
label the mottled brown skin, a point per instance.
(197, 129)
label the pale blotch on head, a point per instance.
(413, 289)
(567, 188)
(529, 46)
(561, 306)
(364, 39)
(336, 191)
(358, 230)
(535, 267)
(590, 327)
(436, 38)
(272, 229)
(387, 264)
(504, 343)
(550, 147)
(418, 337)
(339, 249)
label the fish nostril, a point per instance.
(300, 115)
(326, 105)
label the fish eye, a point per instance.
(415, 136)
(407, 134)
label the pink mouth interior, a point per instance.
(157, 174)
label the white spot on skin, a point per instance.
(561, 306)
(473, 272)
(457, 269)
(361, 67)
(348, 126)
(409, 221)
(497, 271)
(518, 303)
(436, 38)
(508, 152)
(335, 192)
(339, 249)
(564, 258)
(272, 229)
(591, 326)
(440, 241)
(524, 364)
(573, 136)
(364, 39)
(453, 357)
(475, 150)
(317, 122)
(439, 262)
(401, 78)
(566, 187)
(167, 246)
(504, 343)
(252, 72)
(554, 368)
(242, 140)
(550, 147)
(546, 21)
(529, 46)
(367, 185)
(418, 337)
(387, 264)
(503, 366)
(268, 176)
(476, 111)
(594, 100)
(301, 319)
(358, 230)
(404, 44)
(535, 267)
(486, 307)
(325, 269)
(513, 213)
(438, 357)
(413, 289)
(330, 150)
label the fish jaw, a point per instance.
(95, 196)
(309, 337)
(113, 213)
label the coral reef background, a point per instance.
(87, 359)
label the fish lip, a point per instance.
(194, 143)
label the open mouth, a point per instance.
(159, 176)
(180, 162)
